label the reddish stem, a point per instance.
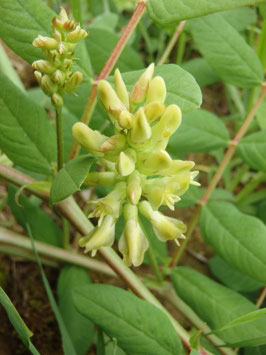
(216, 178)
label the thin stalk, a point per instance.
(109, 65)
(76, 217)
(218, 175)
(261, 298)
(151, 256)
(55, 254)
(181, 48)
(26, 255)
(60, 140)
(171, 43)
(251, 186)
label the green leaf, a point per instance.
(26, 136)
(171, 11)
(76, 10)
(240, 18)
(138, 326)
(252, 150)
(70, 178)
(216, 304)
(23, 331)
(182, 88)
(238, 238)
(106, 21)
(246, 318)
(249, 342)
(44, 229)
(202, 71)
(34, 18)
(255, 351)
(227, 52)
(7, 68)
(200, 131)
(261, 48)
(80, 329)
(68, 347)
(261, 113)
(231, 277)
(100, 44)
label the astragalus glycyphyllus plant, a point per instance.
(114, 195)
(136, 163)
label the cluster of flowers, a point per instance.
(136, 163)
(54, 74)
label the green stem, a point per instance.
(253, 183)
(238, 177)
(171, 43)
(15, 241)
(66, 233)
(60, 140)
(151, 256)
(218, 175)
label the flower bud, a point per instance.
(125, 164)
(154, 163)
(133, 242)
(63, 17)
(157, 90)
(38, 76)
(140, 89)
(57, 100)
(58, 76)
(57, 24)
(76, 35)
(57, 35)
(113, 143)
(43, 66)
(105, 178)
(167, 125)
(45, 42)
(134, 187)
(154, 110)
(48, 86)
(100, 237)
(109, 98)
(120, 89)
(75, 81)
(62, 48)
(165, 228)
(141, 130)
(177, 166)
(89, 139)
(69, 25)
(126, 119)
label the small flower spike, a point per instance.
(54, 74)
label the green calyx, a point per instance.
(55, 74)
(136, 163)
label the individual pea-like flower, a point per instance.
(136, 163)
(54, 73)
